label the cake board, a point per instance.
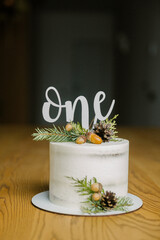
(41, 200)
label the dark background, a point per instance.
(80, 47)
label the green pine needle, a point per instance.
(55, 134)
(77, 128)
(84, 186)
(112, 123)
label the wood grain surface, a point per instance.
(24, 172)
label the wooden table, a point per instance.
(24, 172)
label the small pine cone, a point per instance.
(103, 130)
(109, 200)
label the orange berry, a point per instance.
(68, 127)
(81, 140)
(94, 138)
(96, 196)
(96, 187)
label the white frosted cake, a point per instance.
(108, 162)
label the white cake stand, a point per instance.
(41, 200)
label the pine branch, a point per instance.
(55, 134)
(112, 126)
(123, 203)
(84, 188)
(95, 207)
(77, 128)
(90, 210)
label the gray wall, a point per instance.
(117, 51)
(138, 58)
(74, 53)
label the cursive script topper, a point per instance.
(70, 108)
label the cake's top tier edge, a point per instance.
(121, 145)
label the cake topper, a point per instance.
(70, 108)
(96, 132)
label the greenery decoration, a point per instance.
(84, 188)
(77, 128)
(112, 123)
(107, 129)
(57, 134)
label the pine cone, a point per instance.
(109, 200)
(103, 130)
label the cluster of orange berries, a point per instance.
(90, 136)
(96, 188)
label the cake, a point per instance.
(107, 162)
(88, 166)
